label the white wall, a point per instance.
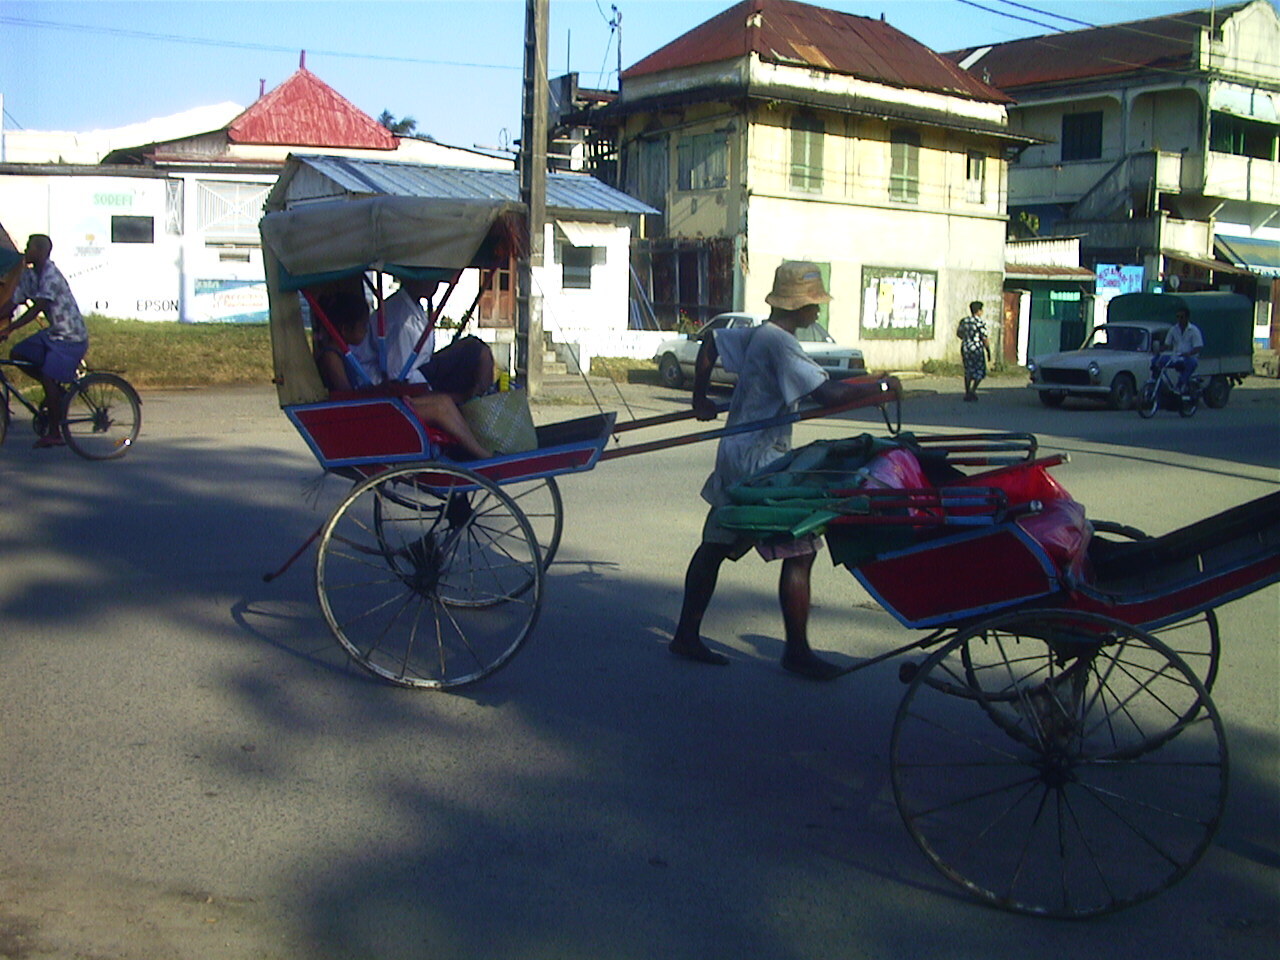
(127, 280)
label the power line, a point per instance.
(242, 45)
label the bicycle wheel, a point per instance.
(102, 417)
(1149, 402)
(1188, 404)
(1053, 775)
(1196, 639)
(429, 576)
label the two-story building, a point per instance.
(1157, 146)
(779, 130)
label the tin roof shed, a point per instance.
(321, 177)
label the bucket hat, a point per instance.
(796, 284)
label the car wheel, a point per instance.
(1052, 398)
(1124, 390)
(669, 371)
(1217, 393)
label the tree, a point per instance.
(404, 127)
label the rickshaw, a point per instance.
(1058, 752)
(430, 572)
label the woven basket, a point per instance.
(502, 421)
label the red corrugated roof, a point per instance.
(786, 32)
(304, 111)
(1161, 43)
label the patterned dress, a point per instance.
(973, 335)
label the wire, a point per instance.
(1045, 13)
(1011, 16)
(242, 45)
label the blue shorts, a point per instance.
(56, 359)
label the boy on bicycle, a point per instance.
(53, 353)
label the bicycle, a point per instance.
(102, 413)
(1161, 390)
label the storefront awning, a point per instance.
(1036, 271)
(585, 234)
(1261, 257)
(1217, 266)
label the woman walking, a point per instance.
(975, 350)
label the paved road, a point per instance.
(188, 768)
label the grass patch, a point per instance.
(951, 368)
(625, 369)
(181, 354)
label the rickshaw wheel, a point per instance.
(1071, 776)
(539, 500)
(1195, 639)
(429, 575)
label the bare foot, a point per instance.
(811, 666)
(696, 650)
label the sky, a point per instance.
(454, 67)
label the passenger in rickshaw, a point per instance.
(348, 312)
(464, 369)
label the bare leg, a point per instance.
(793, 596)
(439, 410)
(699, 586)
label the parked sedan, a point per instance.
(676, 357)
(1110, 366)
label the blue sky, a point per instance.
(455, 67)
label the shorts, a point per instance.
(56, 359)
(739, 543)
(453, 369)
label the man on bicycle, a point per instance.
(1183, 342)
(53, 353)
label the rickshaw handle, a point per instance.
(889, 389)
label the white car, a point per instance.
(676, 358)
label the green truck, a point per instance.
(1115, 358)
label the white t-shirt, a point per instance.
(406, 319)
(1178, 341)
(774, 374)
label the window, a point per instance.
(647, 165)
(133, 229)
(806, 153)
(975, 177)
(703, 162)
(228, 211)
(1242, 137)
(575, 263)
(904, 166)
(1082, 136)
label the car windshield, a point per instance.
(1109, 337)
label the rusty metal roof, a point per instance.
(1160, 43)
(799, 34)
(304, 111)
(566, 192)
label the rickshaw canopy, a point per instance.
(320, 241)
(404, 236)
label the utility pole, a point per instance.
(533, 193)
